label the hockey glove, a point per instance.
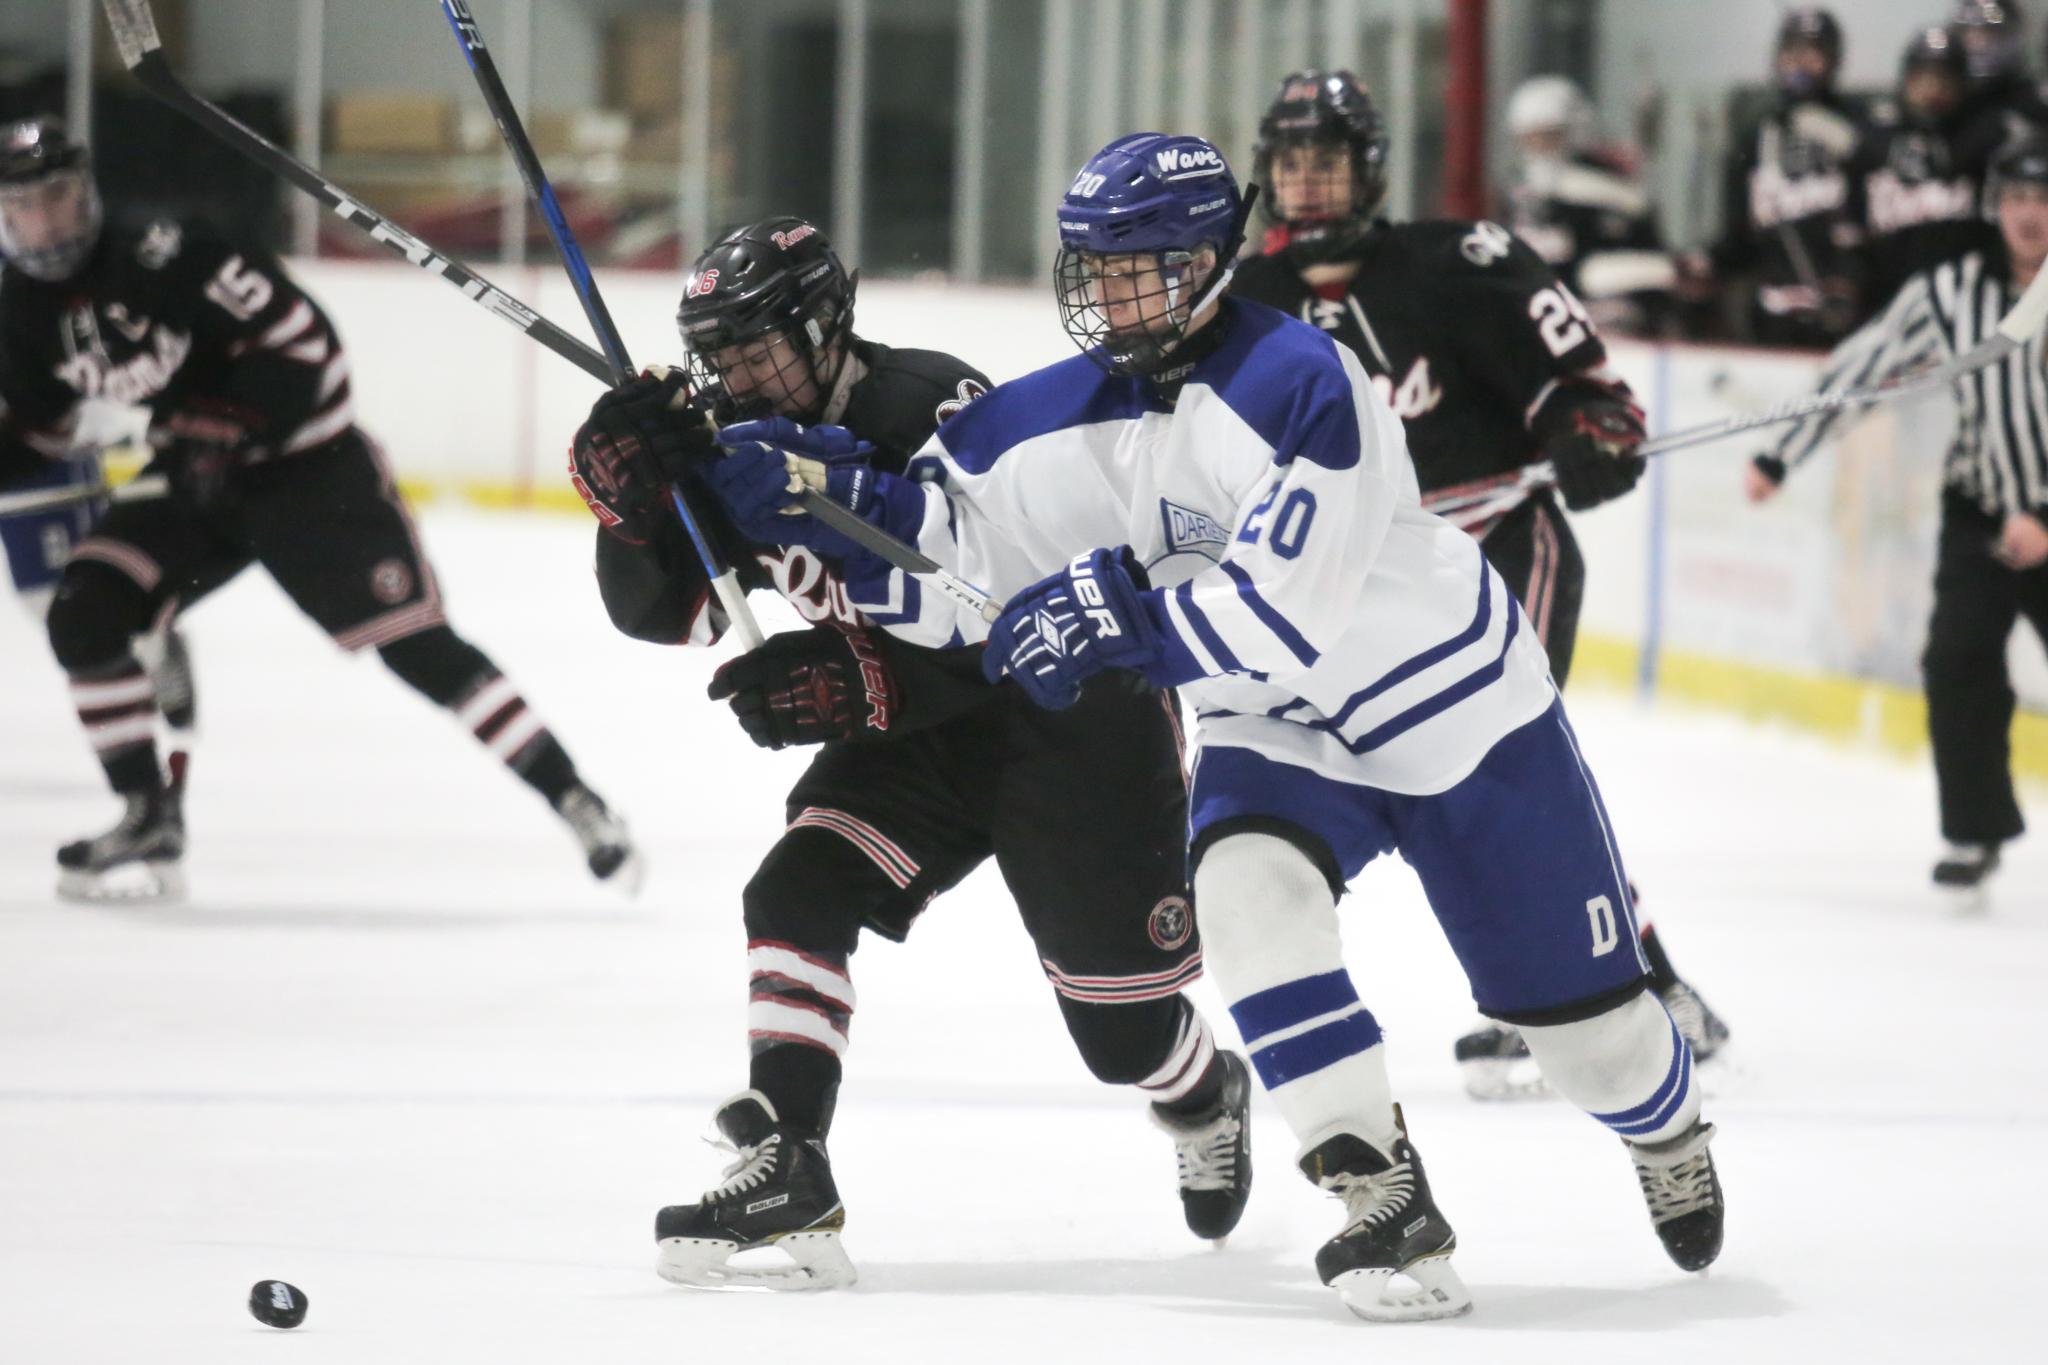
(1063, 630)
(638, 439)
(1595, 455)
(203, 446)
(810, 686)
(773, 462)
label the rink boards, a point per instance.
(1811, 610)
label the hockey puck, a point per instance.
(277, 1304)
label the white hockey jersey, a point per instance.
(1312, 611)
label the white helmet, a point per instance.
(1549, 102)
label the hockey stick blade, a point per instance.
(52, 499)
(134, 29)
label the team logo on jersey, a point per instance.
(802, 578)
(390, 581)
(1414, 395)
(90, 372)
(962, 396)
(1486, 243)
(1187, 529)
(1170, 925)
(160, 244)
(134, 328)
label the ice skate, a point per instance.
(1392, 1261)
(606, 843)
(1684, 1194)
(1495, 1064)
(779, 1195)
(138, 860)
(1214, 1152)
(1965, 871)
(1701, 1028)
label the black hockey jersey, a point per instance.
(1477, 346)
(1918, 188)
(1788, 223)
(658, 591)
(174, 320)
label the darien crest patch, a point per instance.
(1187, 529)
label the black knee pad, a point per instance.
(437, 663)
(97, 611)
(815, 891)
(1123, 1044)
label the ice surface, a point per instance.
(399, 1051)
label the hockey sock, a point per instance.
(502, 722)
(1662, 977)
(799, 1010)
(117, 707)
(1628, 1068)
(451, 672)
(1269, 934)
(1190, 1080)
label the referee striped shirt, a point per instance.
(1999, 460)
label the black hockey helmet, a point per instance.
(1812, 27)
(1988, 31)
(1328, 109)
(1935, 52)
(50, 211)
(777, 280)
(2025, 162)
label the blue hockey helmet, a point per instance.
(1134, 228)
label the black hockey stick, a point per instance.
(841, 519)
(2021, 324)
(134, 28)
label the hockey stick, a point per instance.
(841, 519)
(51, 499)
(134, 28)
(2021, 323)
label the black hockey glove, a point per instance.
(1595, 455)
(809, 686)
(202, 448)
(638, 439)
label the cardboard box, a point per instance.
(388, 121)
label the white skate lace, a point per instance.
(1674, 1190)
(593, 823)
(755, 1165)
(1207, 1157)
(1371, 1199)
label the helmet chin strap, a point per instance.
(1227, 258)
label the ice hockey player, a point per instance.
(1992, 561)
(38, 544)
(1579, 207)
(248, 391)
(1918, 178)
(1788, 233)
(924, 770)
(1491, 365)
(1212, 496)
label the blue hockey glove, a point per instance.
(773, 460)
(1063, 630)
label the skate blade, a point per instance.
(1382, 1295)
(816, 1261)
(148, 883)
(1516, 1078)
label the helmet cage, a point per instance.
(744, 373)
(1315, 110)
(44, 173)
(1157, 308)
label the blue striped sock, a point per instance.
(1299, 1027)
